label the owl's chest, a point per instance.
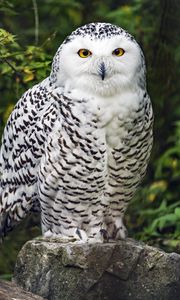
(114, 120)
(109, 120)
(114, 127)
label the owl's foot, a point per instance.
(48, 234)
(102, 236)
(57, 237)
(72, 235)
(116, 229)
(96, 235)
(105, 235)
(95, 239)
(81, 235)
(119, 232)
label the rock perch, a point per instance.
(127, 270)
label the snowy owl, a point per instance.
(77, 144)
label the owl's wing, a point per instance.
(23, 145)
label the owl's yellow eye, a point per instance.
(84, 53)
(118, 52)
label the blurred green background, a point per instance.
(30, 33)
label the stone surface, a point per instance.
(10, 291)
(127, 270)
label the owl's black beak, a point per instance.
(102, 70)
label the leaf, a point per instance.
(177, 212)
(7, 112)
(6, 37)
(28, 77)
(163, 221)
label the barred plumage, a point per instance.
(77, 145)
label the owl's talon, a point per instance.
(81, 235)
(78, 232)
(120, 233)
(105, 235)
(114, 234)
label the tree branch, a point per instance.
(36, 21)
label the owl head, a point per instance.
(99, 58)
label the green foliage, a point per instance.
(20, 68)
(158, 219)
(28, 41)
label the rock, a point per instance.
(127, 270)
(10, 291)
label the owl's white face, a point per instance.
(102, 72)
